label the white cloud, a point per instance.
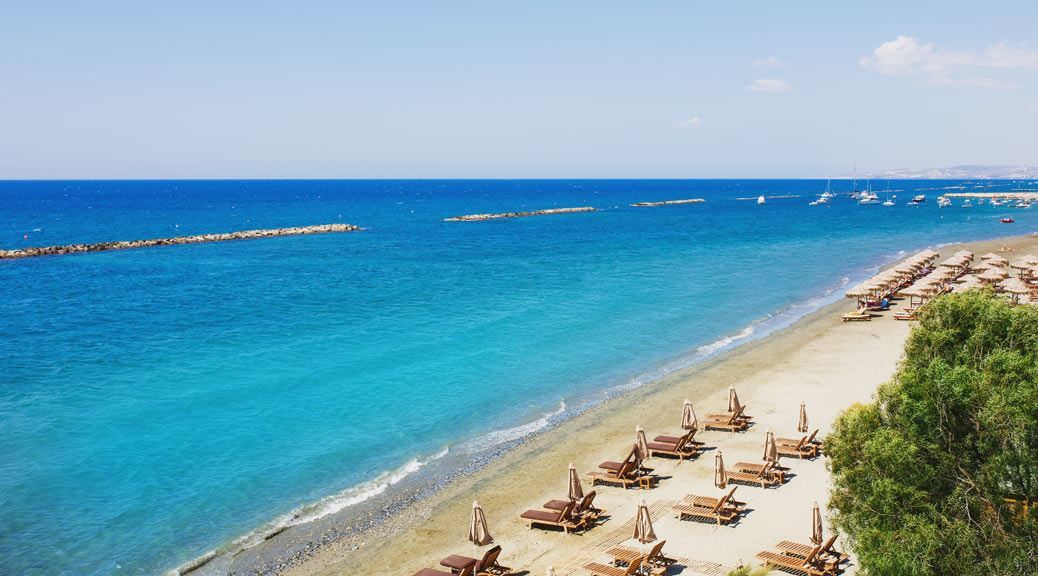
(771, 85)
(772, 62)
(933, 65)
(689, 122)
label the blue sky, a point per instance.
(512, 90)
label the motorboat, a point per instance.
(919, 199)
(1007, 220)
(760, 200)
(943, 202)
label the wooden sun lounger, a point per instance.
(627, 475)
(467, 571)
(905, 316)
(807, 565)
(562, 518)
(801, 449)
(606, 570)
(826, 554)
(812, 441)
(485, 566)
(708, 502)
(680, 447)
(720, 512)
(730, 422)
(751, 474)
(623, 556)
(584, 509)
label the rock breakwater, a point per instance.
(668, 202)
(479, 217)
(196, 239)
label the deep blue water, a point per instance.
(157, 403)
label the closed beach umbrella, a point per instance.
(688, 417)
(770, 449)
(550, 571)
(642, 445)
(802, 422)
(720, 478)
(643, 531)
(479, 534)
(816, 525)
(576, 491)
(733, 400)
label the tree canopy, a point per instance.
(924, 478)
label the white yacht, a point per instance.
(943, 202)
(760, 200)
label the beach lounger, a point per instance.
(654, 560)
(754, 474)
(562, 518)
(708, 502)
(606, 570)
(627, 475)
(802, 449)
(680, 447)
(719, 512)
(485, 566)
(812, 440)
(808, 565)
(826, 553)
(857, 317)
(584, 509)
(730, 422)
(905, 316)
(467, 571)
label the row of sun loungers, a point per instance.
(464, 566)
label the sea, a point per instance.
(160, 404)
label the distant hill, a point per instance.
(959, 173)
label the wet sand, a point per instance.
(820, 360)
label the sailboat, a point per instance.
(889, 201)
(868, 197)
(760, 200)
(854, 192)
(824, 197)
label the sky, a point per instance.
(522, 89)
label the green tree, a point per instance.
(921, 475)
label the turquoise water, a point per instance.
(156, 404)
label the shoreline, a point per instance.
(313, 547)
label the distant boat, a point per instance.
(824, 197)
(967, 204)
(943, 202)
(919, 199)
(868, 197)
(760, 200)
(1007, 220)
(889, 201)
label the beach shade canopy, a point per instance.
(1024, 263)
(1015, 286)
(688, 417)
(643, 531)
(967, 283)
(576, 491)
(982, 266)
(770, 449)
(964, 254)
(720, 478)
(641, 444)
(816, 525)
(479, 534)
(802, 421)
(733, 400)
(993, 275)
(861, 290)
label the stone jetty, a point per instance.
(478, 217)
(668, 202)
(197, 239)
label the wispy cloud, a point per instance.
(932, 65)
(770, 85)
(689, 122)
(773, 62)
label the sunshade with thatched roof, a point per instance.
(1024, 263)
(861, 290)
(989, 255)
(998, 261)
(969, 282)
(993, 275)
(1015, 286)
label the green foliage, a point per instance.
(920, 476)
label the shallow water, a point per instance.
(158, 403)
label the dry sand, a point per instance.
(820, 360)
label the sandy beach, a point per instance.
(819, 360)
